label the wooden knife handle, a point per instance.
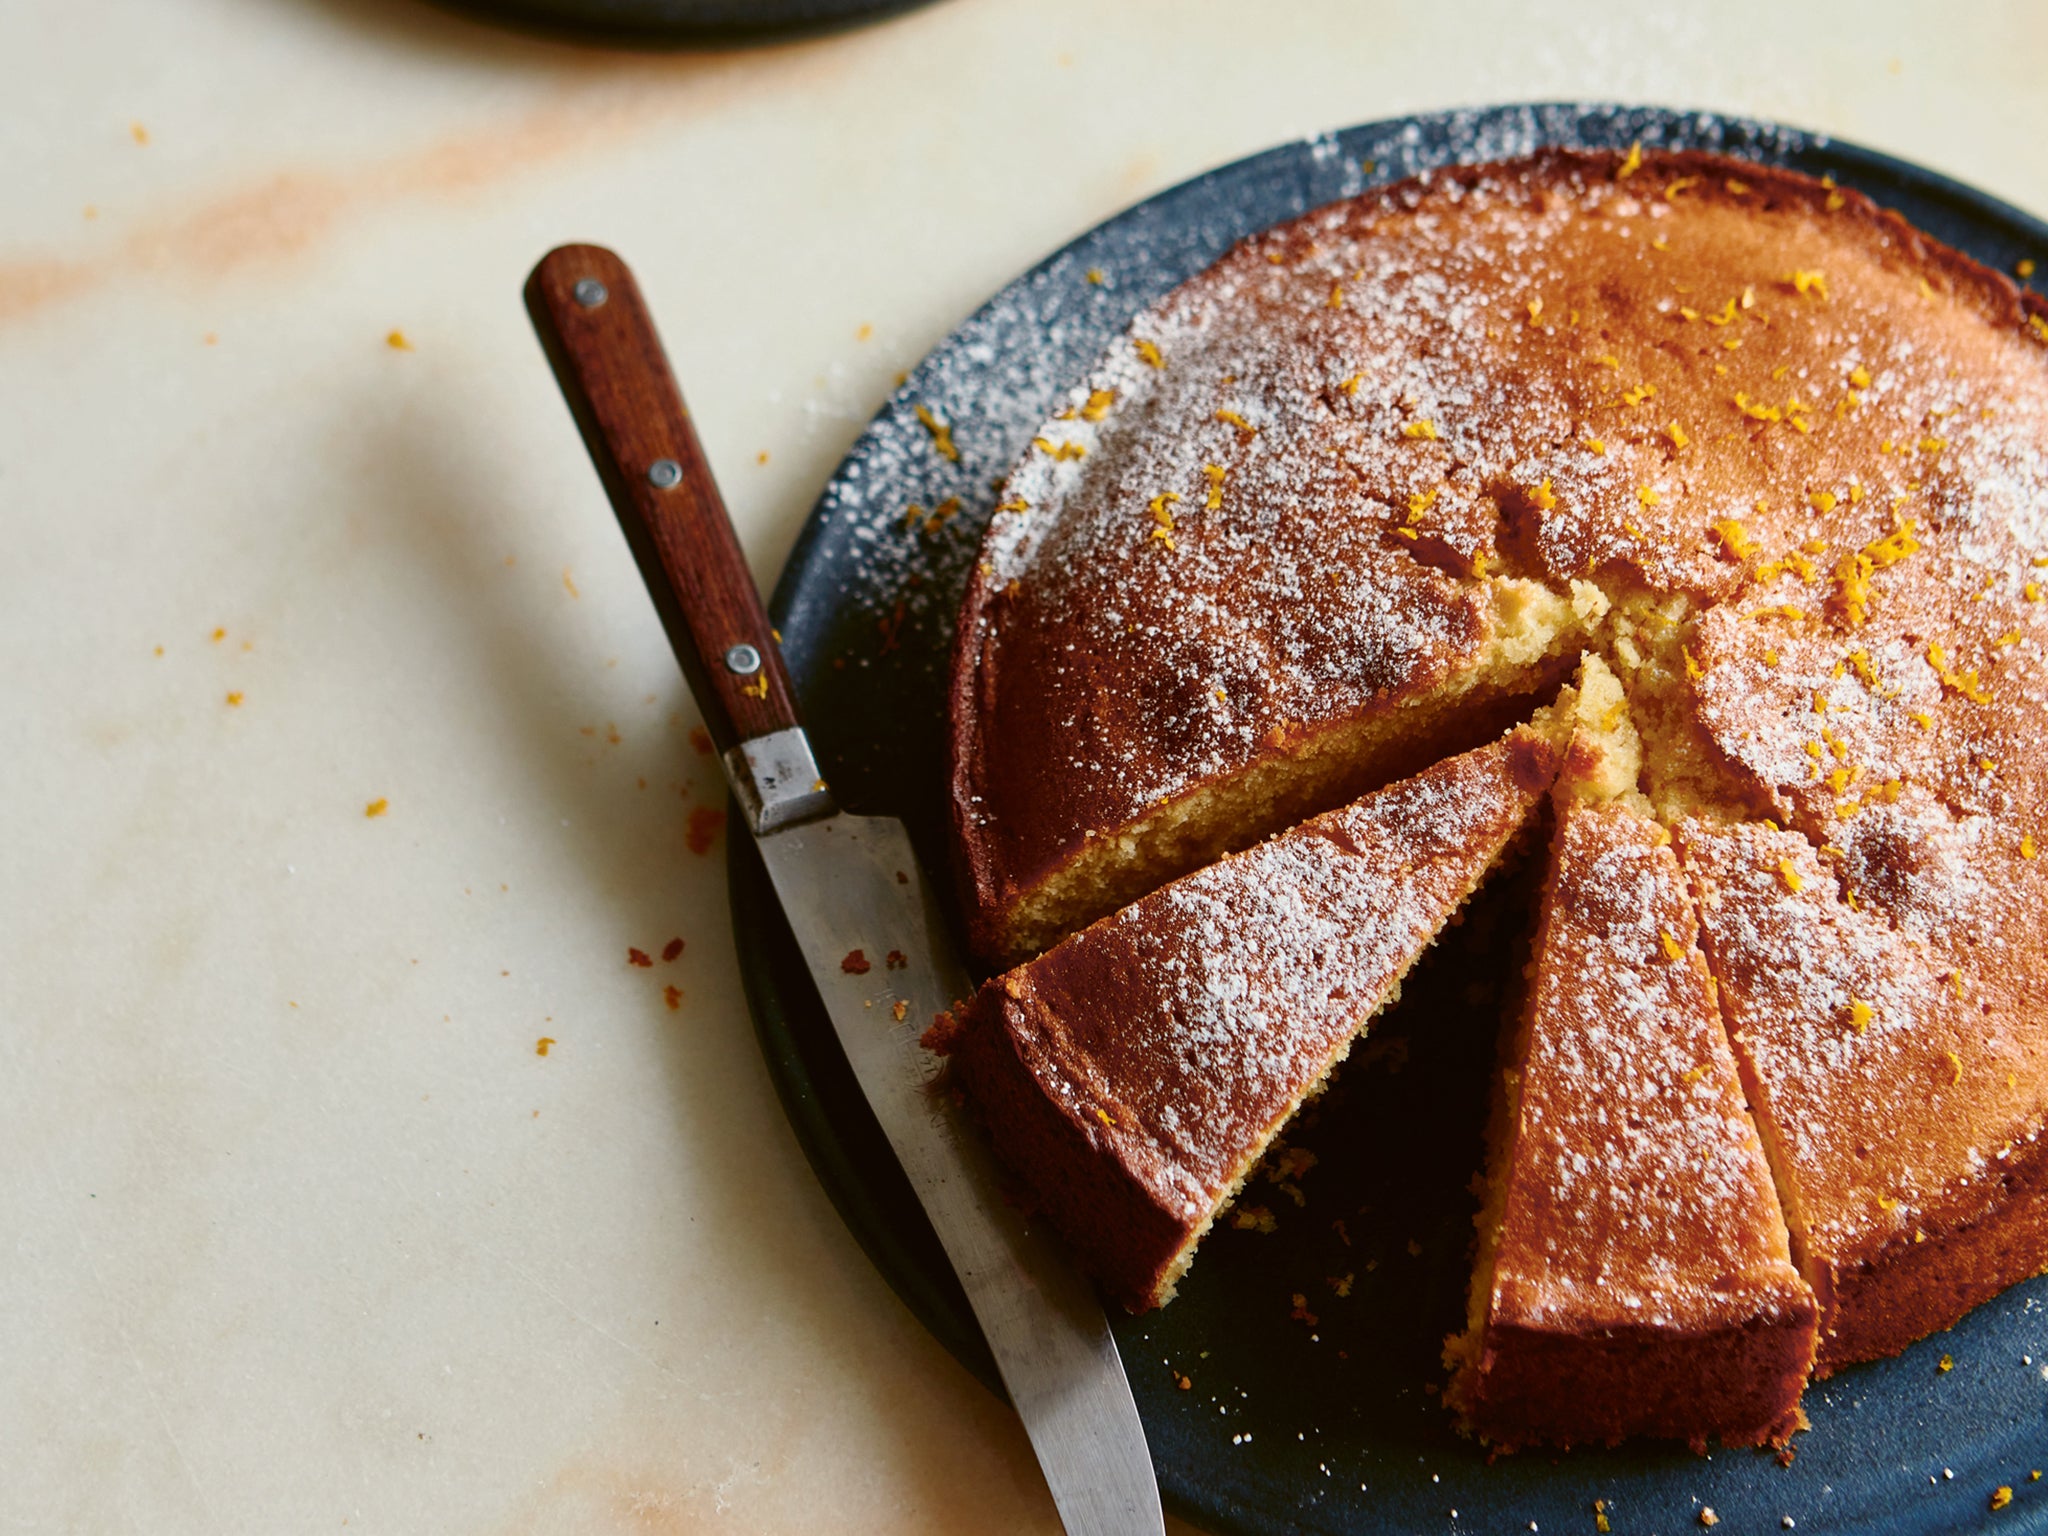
(601, 341)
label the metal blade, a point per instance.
(873, 937)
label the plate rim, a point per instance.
(759, 928)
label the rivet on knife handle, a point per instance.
(601, 342)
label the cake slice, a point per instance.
(1133, 1075)
(1633, 1274)
(1899, 1077)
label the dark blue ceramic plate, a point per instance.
(1292, 1425)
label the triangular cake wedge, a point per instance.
(1132, 1076)
(1877, 995)
(1633, 1274)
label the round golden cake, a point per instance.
(1364, 492)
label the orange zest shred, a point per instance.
(941, 434)
(1964, 683)
(1853, 572)
(1735, 539)
(1162, 518)
(1424, 429)
(1149, 352)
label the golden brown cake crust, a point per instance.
(1130, 1076)
(1895, 1056)
(1640, 1280)
(1541, 368)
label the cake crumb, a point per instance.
(705, 822)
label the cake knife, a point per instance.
(868, 924)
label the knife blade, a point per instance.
(870, 927)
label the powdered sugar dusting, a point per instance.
(1280, 501)
(1893, 1081)
(1638, 1189)
(869, 604)
(1195, 1018)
